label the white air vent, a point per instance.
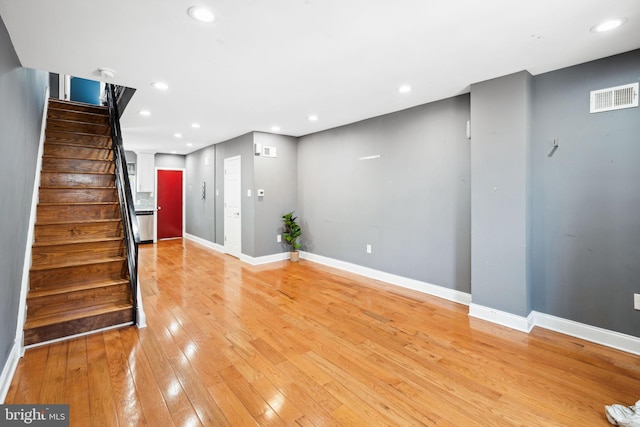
(614, 98)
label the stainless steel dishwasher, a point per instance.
(145, 225)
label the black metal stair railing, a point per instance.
(127, 207)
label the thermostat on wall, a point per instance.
(269, 151)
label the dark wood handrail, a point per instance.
(127, 207)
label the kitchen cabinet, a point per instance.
(145, 172)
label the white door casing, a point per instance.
(232, 207)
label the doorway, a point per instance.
(232, 207)
(169, 203)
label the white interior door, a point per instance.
(232, 207)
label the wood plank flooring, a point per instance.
(302, 344)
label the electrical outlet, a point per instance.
(368, 249)
(278, 238)
(636, 301)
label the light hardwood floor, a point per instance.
(303, 344)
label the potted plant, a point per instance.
(291, 233)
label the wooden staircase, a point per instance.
(79, 280)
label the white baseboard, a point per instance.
(267, 259)
(8, 371)
(416, 285)
(141, 316)
(204, 242)
(513, 321)
(605, 337)
(623, 342)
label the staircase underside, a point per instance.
(79, 280)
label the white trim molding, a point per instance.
(617, 340)
(605, 337)
(513, 321)
(267, 259)
(405, 282)
(9, 369)
(204, 242)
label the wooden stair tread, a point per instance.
(77, 187)
(75, 241)
(47, 156)
(69, 171)
(71, 144)
(60, 103)
(45, 292)
(78, 203)
(42, 267)
(74, 314)
(87, 221)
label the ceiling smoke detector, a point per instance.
(107, 73)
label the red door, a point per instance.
(169, 204)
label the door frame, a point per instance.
(155, 200)
(224, 207)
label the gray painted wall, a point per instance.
(278, 177)
(412, 204)
(586, 197)
(170, 161)
(240, 146)
(500, 174)
(22, 94)
(200, 214)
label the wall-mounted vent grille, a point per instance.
(614, 98)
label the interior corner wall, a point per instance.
(586, 197)
(200, 218)
(500, 195)
(22, 93)
(278, 177)
(241, 146)
(398, 182)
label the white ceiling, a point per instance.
(275, 62)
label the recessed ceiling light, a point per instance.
(174, 152)
(608, 25)
(177, 135)
(201, 14)
(160, 85)
(404, 89)
(189, 144)
(195, 125)
(145, 113)
(275, 128)
(313, 117)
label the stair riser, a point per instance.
(57, 179)
(51, 233)
(46, 333)
(87, 108)
(60, 277)
(75, 152)
(80, 195)
(78, 139)
(78, 252)
(77, 116)
(71, 126)
(77, 165)
(61, 303)
(52, 213)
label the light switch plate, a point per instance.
(636, 301)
